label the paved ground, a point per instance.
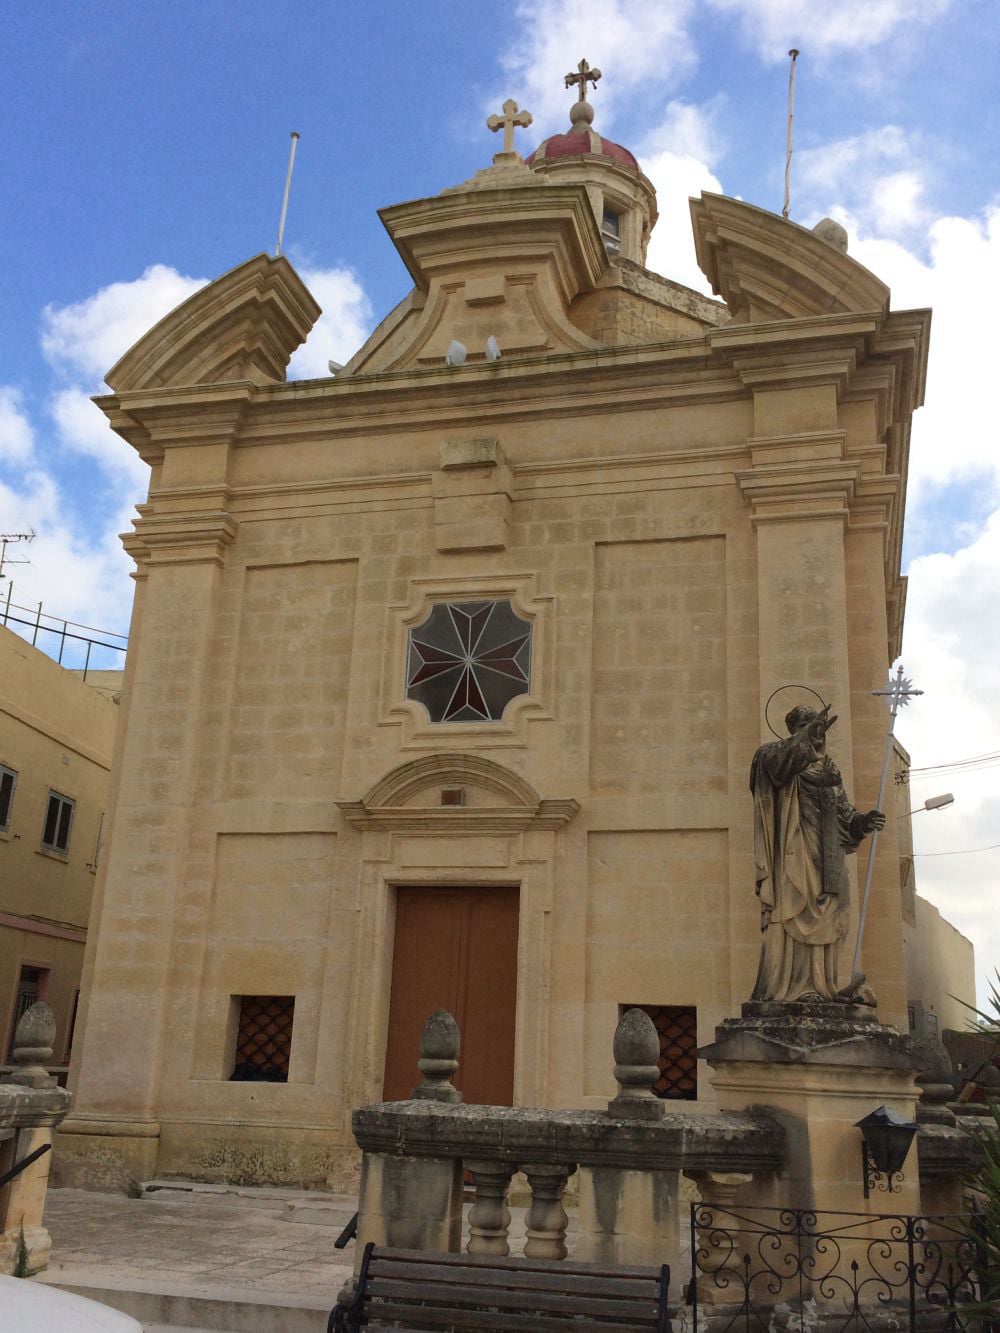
(223, 1240)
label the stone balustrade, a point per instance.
(627, 1160)
(31, 1106)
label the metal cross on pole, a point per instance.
(511, 117)
(898, 695)
(584, 75)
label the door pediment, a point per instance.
(495, 799)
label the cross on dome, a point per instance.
(511, 117)
(581, 112)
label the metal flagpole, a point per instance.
(788, 146)
(288, 188)
(899, 694)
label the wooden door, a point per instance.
(455, 949)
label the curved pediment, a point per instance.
(766, 268)
(243, 326)
(492, 797)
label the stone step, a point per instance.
(182, 1308)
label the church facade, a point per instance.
(446, 672)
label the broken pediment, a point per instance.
(461, 792)
(492, 259)
(243, 326)
(765, 267)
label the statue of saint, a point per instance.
(804, 825)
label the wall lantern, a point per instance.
(886, 1139)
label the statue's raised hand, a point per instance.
(874, 819)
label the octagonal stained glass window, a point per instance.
(468, 660)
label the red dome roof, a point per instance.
(580, 141)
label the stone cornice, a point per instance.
(769, 268)
(793, 491)
(680, 1141)
(180, 539)
(389, 804)
(546, 815)
(245, 325)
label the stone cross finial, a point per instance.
(581, 112)
(511, 117)
(34, 1040)
(439, 1043)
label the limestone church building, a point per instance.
(445, 674)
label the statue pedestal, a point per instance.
(818, 1069)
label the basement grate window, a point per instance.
(263, 1038)
(677, 1027)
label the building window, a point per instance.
(263, 1038)
(30, 984)
(931, 1020)
(911, 1017)
(611, 231)
(677, 1027)
(468, 660)
(8, 781)
(58, 818)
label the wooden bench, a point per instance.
(417, 1289)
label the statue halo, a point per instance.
(779, 690)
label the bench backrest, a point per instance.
(417, 1289)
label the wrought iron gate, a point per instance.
(791, 1270)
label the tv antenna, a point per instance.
(9, 539)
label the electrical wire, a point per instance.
(963, 851)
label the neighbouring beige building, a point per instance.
(446, 672)
(940, 961)
(56, 740)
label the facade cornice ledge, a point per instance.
(782, 336)
(154, 420)
(181, 539)
(791, 492)
(546, 815)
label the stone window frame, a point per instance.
(419, 733)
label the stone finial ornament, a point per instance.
(439, 1046)
(833, 233)
(636, 1049)
(935, 1076)
(34, 1041)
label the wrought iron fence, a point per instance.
(791, 1270)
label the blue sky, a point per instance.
(146, 149)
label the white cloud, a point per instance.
(953, 609)
(631, 41)
(955, 435)
(83, 427)
(86, 338)
(16, 436)
(671, 246)
(880, 177)
(826, 26)
(341, 329)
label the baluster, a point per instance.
(718, 1264)
(546, 1221)
(489, 1217)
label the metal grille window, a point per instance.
(264, 1038)
(58, 818)
(677, 1026)
(468, 660)
(8, 780)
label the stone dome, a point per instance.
(582, 139)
